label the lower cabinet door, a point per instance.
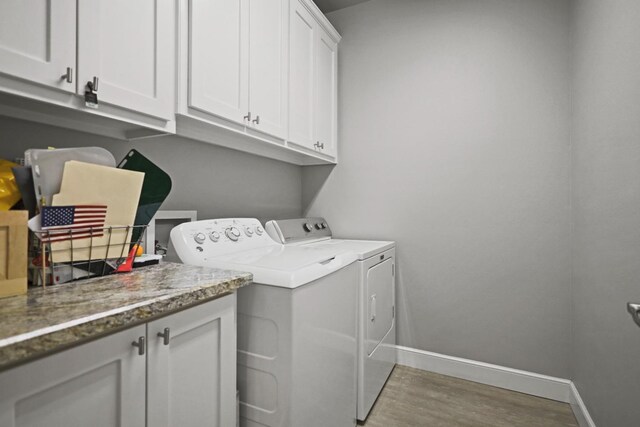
(98, 384)
(191, 370)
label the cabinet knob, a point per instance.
(68, 76)
(248, 116)
(140, 344)
(256, 120)
(319, 145)
(166, 336)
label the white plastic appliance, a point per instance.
(376, 298)
(296, 323)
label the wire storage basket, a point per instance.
(74, 254)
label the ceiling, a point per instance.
(327, 6)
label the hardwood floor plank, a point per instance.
(413, 397)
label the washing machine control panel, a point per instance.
(298, 230)
(199, 240)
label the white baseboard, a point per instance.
(559, 389)
(579, 408)
(486, 373)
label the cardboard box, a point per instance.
(13, 252)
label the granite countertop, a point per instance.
(47, 320)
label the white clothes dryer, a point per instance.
(296, 359)
(376, 299)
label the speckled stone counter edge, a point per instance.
(40, 346)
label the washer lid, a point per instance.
(282, 257)
(285, 266)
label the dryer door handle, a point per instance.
(373, 307)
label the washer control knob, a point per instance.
(199, 238)
(307, 226)
(248, 231)
(318, 226)
(259, 230)
(324, 225)
(214, 236)
(232, 233)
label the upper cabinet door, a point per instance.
(268, 65)
(38, 41)
(129, 47)
(218, 55)
(301, 75)
(326, 94)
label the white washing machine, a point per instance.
(296, 323)
(376, 299)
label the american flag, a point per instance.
(62, 223)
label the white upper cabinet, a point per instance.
(301, 75)
(218, 57)
(38, 41)
(50, 49)
(253, 75)
(313, 65)
(128, 46)
(326, 94)
(237, 62)
(268, 66)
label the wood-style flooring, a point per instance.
(413, 397)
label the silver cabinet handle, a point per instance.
(319, 145)
(68, 76)
(256, 120)
(634, 310)
(140, 344)
(166, 336)
(248, 116)
(93, 85)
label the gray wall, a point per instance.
(454, 141)
(215, 181)
(455, 118)
(606, 180)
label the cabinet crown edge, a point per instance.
(322, 19)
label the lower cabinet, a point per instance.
(98, 384)
(191, 375)
(185, 376)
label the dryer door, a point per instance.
(380, 293)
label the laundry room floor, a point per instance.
(413, 398)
